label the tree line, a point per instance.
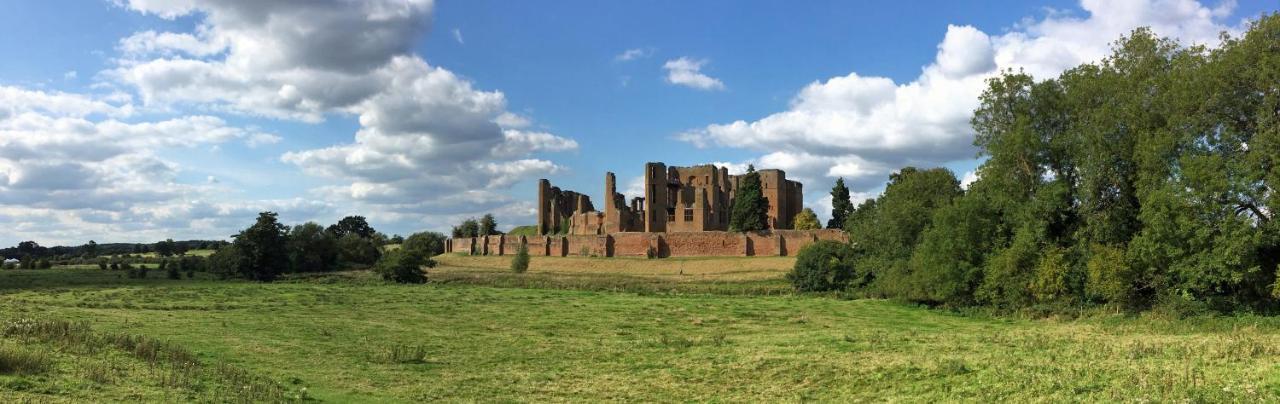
(1146, 180)
(268, 248)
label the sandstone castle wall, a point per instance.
(641, 244)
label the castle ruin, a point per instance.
(676, 199)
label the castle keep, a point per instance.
(676, 199)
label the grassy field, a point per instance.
(660, 330)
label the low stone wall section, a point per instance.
(638, 244)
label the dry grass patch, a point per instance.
(684, 269)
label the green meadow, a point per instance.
(565, 332)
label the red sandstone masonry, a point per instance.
(705, 244)
(637, 244)
(587, 245)
(634, 244)
(537, 245)
(763, 244)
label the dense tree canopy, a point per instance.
(263, 249)
(356, 225)
(1147, 178)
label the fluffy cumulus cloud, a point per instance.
(688, 72)
(426, 134)
(862, 127)
(73, 166)
(430, 146)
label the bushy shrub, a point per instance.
(520, 263)
(102, 264)
(44, 263)
(401, 267)
(822, 266)
(172, 271)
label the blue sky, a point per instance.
(140, 120)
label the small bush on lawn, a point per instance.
(402, 267)
(822, 266)
(520, 263)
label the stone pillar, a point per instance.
(544, 206)
(612, 218)
(655, 194)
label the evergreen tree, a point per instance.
(750, 209)
(841, 205)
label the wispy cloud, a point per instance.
(688, 72)
(633, 54)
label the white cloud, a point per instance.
(424, 134)
(688, 72)
(968, 178)
(862, 127)
(457, 36)
(70, 75)
(633, 54)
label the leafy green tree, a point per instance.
(165, 248)
(750, 208)
(469, 228)
(263, 249)
(488, 225)
(841, 205)
(822, 266)
(91, 249)
(352, 225)
(356, 250)
(401, 267)
(312, 249)
(807, 220)
(426, 244)
(888, 229)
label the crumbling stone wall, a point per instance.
(537, 245)
(638, 244)
(706, 243)
(763, 244)
(634, 244)
(583, 246)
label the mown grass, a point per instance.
(347, 337)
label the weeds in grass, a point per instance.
(173, 365)
(401, 353)
(23, 361)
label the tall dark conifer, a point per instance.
(841, 206)
(750, 209)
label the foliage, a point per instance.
(822, 266)
(520, 263)
(807, 220)
(841, 205)
(263, 249)
(887, 229)
(750, 208)
(403, 267)
(356, 225)
(468, 228)
(488, 226)
(312, 249)
(353, 249)
(426, 244)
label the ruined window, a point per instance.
(688, 214)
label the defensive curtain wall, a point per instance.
(642, 244)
